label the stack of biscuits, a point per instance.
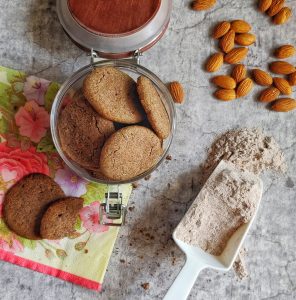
(115, 130)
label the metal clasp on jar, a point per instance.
(112, 209)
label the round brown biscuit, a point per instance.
(129, 152)
(153, 106)
(26, 201)
(113, 94)
(83, 132)
(60, 217)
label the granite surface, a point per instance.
(33, 40)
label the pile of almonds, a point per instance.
(276, 10)
(229, 34)
(235, 86)
(278, 85)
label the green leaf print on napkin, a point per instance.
(50, 95)
(31, 244)
(46, 144)
(3, 125)
(95, 191)
(4, 231)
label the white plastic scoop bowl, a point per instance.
(197, 259)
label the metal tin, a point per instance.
(116, 45)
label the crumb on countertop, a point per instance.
(145, 285)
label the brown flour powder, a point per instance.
(247, 149)
(228, 200)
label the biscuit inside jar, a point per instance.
(135, 124)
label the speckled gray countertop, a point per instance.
(33, 40)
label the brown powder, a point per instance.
(227, 201)
(247, 149)
(239, 266)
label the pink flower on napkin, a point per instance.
(33, 121)
(71, 184)
(15, 163)
(35, 89)
(13, 246)
(90, 217)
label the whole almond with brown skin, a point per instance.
(284, 105)
(282, 16)
(227, 41)
(225, 95)
(244, 87)
(177, 91)
(203, 4)
(275, 7)
(262, 77)
(282, 67)
(269, 94)
(221, 29)
(292, 79)
(285, 51)
(214, 62)
(224, 81)
(264, 5)
(236, 55)
(240, 26)
(245, 39)
(283, 85)
(239, 73)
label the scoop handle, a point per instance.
(185, 280)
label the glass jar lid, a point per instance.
(117, 28)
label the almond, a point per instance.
(285, 51)
(292, 79)
(283, 85)
(244, 88)
(264, 5)
(240, 26)
(245, 39)
(269, 94)
(225, 95)
(236, 55)
(203, 4)
(282, 16)
(214, 62)
(227, 41)
(275, 7)
(177, 91)
(224, 81)
(221, 29)
(284, 105)
(281, 67)
(262, 77)
(239, 73)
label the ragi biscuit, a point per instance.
(83, 132)
(113, 94)
(60, 217)
(26, 201)
(129, 152)
(153, 106)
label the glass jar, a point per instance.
(113, 46)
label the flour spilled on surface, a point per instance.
(247, 149)
(226, 202)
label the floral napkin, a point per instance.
(26, 147)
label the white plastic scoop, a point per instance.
(197, 259)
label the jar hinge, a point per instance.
(112, 209)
